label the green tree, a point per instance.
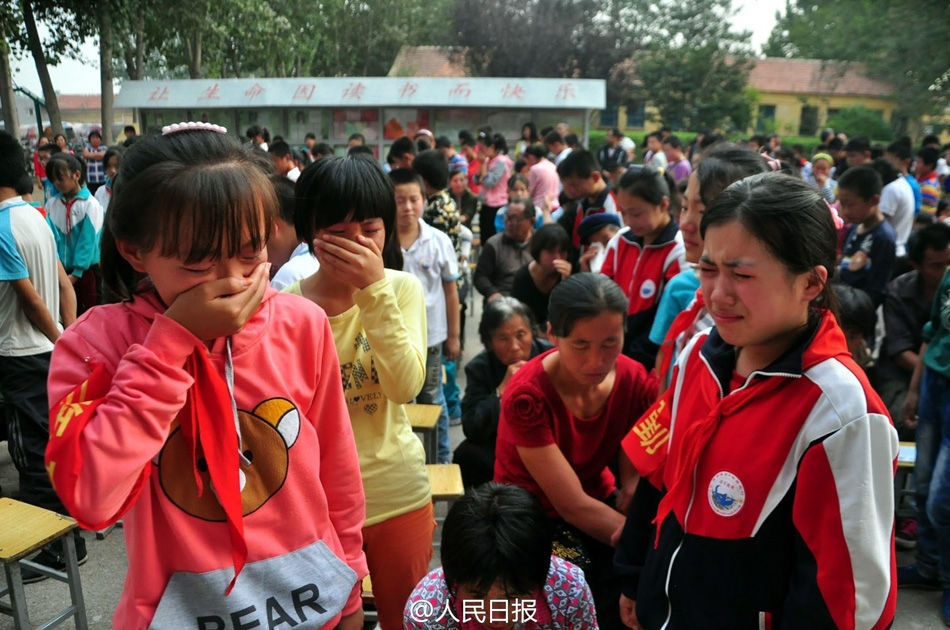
(900, 41)
(693, 68)
(860, 121)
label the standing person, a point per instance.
(256, 135)
(778, 477)
(62, 143)
(130, 136)
(544, 184)
(646, 254)
(584, 184)
(533, 283)
(440, 209)
(31, 280)
(203, 408)
(283, 159)
(289, 255)
(563, 415)
(557, 147)
(76, 219)
(456, 159)
(896, 204)
(429, 256)
(93, 155)
(655, 155)
(611, 155)
(347, 208)
(467, 202)
(928, 408)
(493, 178)
(529, 136)
(111, 165)
(898, 153)
(468, 150)
(679, 166)
(926, 170)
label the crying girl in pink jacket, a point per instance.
(205, 408)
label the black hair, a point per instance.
(322, 149)
(544, 131)
(402, 176)
(581, 296)
(537, 151)
(47, 148)
(929, 156)
(520, 163)
(549, 237)
(835, 144)
(724, 164)
(499, 143)
(863, 180)
(935, 236)
(279, 148)
(942, 205)
(572, 140)
(885, 169)
(353, 188)
(356, 136)
(253, 131)
(298, 156)
(532, 132)
(858, 145)
(310, 136)
(64, 162)
(95, 133)
(788, 216)
(930, 139)
(530, 212)
(647, 183)
(825, 134)
(128, 128)
(497, 534)
(711, 139)
(361, 149)
(855, 308)
(12, 162)
(499, 311)
(25, 185)
(286, 199)
(433, 167)
(465, 136)
(277, 138)
(899, 149)
(616, 133)
(553, 137)
(579, 163)
(196, 193)
(111, 153)
(877, 150)
(59, 135)
(673, 141)
(402, 146)
(422, 144)
(443, 142)
(517, 177)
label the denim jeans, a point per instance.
(932, 477)
(431, 394)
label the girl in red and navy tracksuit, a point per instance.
(645, 255)
(769, 462)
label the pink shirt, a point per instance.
(544, 182)
(302, 494)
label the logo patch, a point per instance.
(647, 289)
(726, 494)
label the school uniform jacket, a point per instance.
(789, 519)
(642, 271)
(76, 224)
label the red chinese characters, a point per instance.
(512, 91)
(254, 91)
(354, 91)
(304, 91)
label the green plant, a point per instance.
(860, 121)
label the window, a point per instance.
(636, 115)
(808, 125)
(765, 121)
(609, 116)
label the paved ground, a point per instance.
(103, 574)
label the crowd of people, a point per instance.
(695, 366)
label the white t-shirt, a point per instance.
(942, 169)
(293, 174)
(431, 259)
(103, 196)
(302, 264)
(897, 206)
(27, 250)
(656, 160)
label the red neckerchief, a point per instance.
(680, 324)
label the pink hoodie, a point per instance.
(302, 494)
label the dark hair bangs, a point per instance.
(215, 212)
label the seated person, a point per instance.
(498, 572)
(505, 253)
(533, 283)
(595, 232)
(517, 189)
(508, 333)
(563, 416)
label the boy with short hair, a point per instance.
(678, 165)
(584, 184)
(440, 211)
(428, 254)
(290, 257)
(869, 250)
(926, 171)
(857, 152)
(898, 154)
(283, 159)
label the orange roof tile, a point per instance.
(429, 61)
(815, 76)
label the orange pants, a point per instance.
(398, 552)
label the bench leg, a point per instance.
(75, 586)
(21, 617)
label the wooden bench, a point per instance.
(424, 420)
(446, 483)
(26, 528)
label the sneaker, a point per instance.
(52, 556)
(910, 577)
(906, 535)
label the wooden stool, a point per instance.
(424, 420)
(446, 483)
(26, 528)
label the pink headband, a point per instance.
(167, 130)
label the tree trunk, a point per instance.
(7, 98)
(39, 58)
(140, 44)
(194, 56)
(105, 71)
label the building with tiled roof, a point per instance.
(429, 61)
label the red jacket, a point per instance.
(786, 518)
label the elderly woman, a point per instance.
(820, 176)
(507, 330)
